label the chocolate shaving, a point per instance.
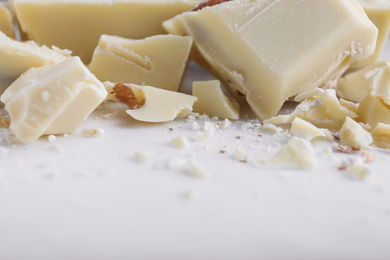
(125, 95)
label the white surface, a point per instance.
(88, 198)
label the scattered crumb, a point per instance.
(357, 171)
(142, 156)
(369, 157)
(225, 124)
(210, 127)
(195, 126)
(180, 142)
(241, 155)
(327, 150)
(296, 154)
(204, 117)
(194, 115)
(57, 147)
(92, 132)
(197, 170)
(111, 115)
(272, 129)
(201, 136)
(246, 125)
(51, 138)
(222, 151)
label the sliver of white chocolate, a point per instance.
(17, 57)
(212, 101)
(150, 104)
(354, 86)
(53, 99)
(272, 50)
(354, 135)
(157, 61)
(305, 130)
(78, 25)
(375, 108)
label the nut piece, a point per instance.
(146, 102)
(208, 3)
(212, 101)
(72, 93)
(126, 95)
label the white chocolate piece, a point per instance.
(21, 56)
(79, 24)
(357, 171)
(352, 134)
(379, 13)
(150, 104)
(157, 61)
(52, 99)
(142, 156)
(6, 21)
(296, 154)
(305, 130)
(242, 155)
(92, 132)
(375, 108)
(323, 111)
(253, 48)
(180, 142)
(198, 171)
(354, 86)
(381, 135)
(212, 101)
(373, 111)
